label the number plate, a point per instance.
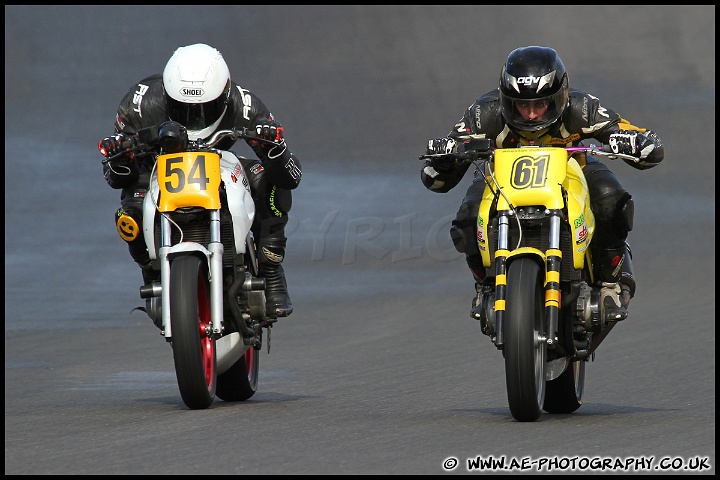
(189, 179)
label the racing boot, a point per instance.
(149, 274)
(483, 307)
(627, 279)
(478, 272)
(611, 305)
(277, 300)
(609, 265)
(152, 304)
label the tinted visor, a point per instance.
(533, 114)
(195, 116)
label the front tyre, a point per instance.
(192, 341)
(524, 345)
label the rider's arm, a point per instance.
(588, 115)
(142, 106)
(440, 176)
(282, 167)
(650, 148)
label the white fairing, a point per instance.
(240, 204)
(149, 211)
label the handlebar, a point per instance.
(143, 141)
(476, 149)
(235, 134)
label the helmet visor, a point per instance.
(533, 114)
(195, 116)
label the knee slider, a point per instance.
(128, 224)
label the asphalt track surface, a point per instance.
(380, 370)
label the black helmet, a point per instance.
(533, 74)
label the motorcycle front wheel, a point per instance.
(240, 381)
(524, 347)
(192, 342)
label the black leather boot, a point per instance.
(612, 307)
(627, 279)
(477, 269)
(608, 266)
(149, 275)
(152, 304)
(277, 300)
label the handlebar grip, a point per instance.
(129, 142)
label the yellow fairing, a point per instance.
(581, 218)
(537, 176)
(189, 179)
(482, 225)
(531, 176)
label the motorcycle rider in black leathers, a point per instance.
(535, 105)
(196, 91)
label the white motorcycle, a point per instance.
(209, 302)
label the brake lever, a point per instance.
(605, 151)
(135, 149)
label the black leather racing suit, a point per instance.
(584, 118)
(271, 179)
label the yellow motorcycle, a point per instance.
(542, 308)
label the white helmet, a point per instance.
(197, 86)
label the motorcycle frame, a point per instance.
(226, 167)
(549, 179)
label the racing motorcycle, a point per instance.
(540, 303)
(210, 302)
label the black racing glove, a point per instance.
(110, 146)
(440, 145)
(269, 129)
(629, 142)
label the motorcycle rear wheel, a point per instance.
(524, 348)
(193, 349)
(564, 394)
(240, 381)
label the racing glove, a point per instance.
(271, 129)
(115, 144)
(629, 142)
(440, 145)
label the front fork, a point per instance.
(214, 256)
(552, 259)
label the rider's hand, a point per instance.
(440, 145)
(269, 129)
(115, 144)
(630, 142)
